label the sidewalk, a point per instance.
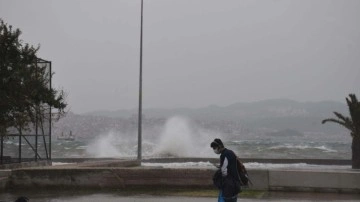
(269, 196)
(184, 199)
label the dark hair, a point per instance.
(217, 143)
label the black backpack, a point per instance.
(243, 175)
(217, 179)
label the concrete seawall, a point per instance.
(106, 176)
(318, 180)
(116, 178)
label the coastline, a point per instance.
(116, 174)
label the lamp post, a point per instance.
(140, 89)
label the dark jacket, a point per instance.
(231, 182)
(231, 167)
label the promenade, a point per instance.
(126, 180)
(269, 196)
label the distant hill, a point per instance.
(276, 108)
(276, 114)
(279, 118)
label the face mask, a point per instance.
(216, 151)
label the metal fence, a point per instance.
(33, 144)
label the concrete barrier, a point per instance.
(4, 178)
(313, 180)
(107, 174)
(110, 178)
(26, 164)
(259, 179)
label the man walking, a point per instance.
(230, 181)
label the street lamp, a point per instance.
(140, 88)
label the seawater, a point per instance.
(307, 149)
(181, 138)
(251, 165)
(116, 148)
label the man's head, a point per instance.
(217, 145)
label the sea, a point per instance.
(179, 139)
(245, 149)
(112, 147)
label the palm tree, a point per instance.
(352, 123)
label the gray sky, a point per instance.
(196, 52)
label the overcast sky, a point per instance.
(195, 52)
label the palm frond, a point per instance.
(353, 98)
(343, 123)
(340, 116)
(347, 120)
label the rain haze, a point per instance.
(195, 52)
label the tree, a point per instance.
(25, 92)
(352, 123)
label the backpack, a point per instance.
(243, 175)
(217, 179)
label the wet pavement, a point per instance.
(267, 196)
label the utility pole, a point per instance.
(140, 89)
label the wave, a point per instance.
(256, 165)
(181, 165)
(82, 147)
(303, 147)
(8, 142)
(249, 165)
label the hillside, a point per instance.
(263, 109)
(270, 117)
